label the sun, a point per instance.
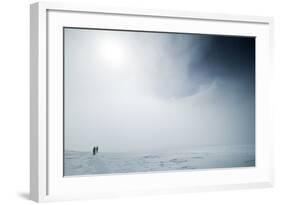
(113, 53)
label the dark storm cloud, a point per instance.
(229, 60)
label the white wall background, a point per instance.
(14, 101)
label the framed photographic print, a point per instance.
(128, 102)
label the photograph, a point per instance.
(149, 101)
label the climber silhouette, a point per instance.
(95, 150)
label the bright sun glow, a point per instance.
(113, 53)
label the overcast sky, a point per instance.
(143, 91)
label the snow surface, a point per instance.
(84, 163)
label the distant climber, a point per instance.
(95, 150)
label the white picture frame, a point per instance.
(46, 180)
